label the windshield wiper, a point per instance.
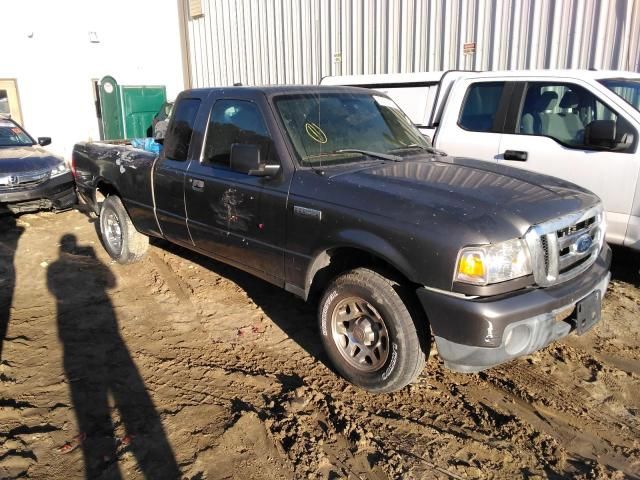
(382, 156)
(432, 150)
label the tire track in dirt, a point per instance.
(236, 373)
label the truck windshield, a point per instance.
(322, 126)
(626, 88)
(11, 135)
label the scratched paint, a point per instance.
(233, 211)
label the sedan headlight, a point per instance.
(493, 263)
(60, 169)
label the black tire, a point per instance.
(133, 245)
(404, 324)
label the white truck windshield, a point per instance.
(626, 88)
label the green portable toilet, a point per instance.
(111, 108)
(128, 110)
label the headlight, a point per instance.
(493, 263)
(59, 170)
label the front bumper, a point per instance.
(57, 193)
(470, 334)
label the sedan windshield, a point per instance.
(336, 128)
(626, 88)
(11, 135)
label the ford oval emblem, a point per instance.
(583, 243)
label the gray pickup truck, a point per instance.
(332, 194)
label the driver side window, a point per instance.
(564, 112)
(234, 122)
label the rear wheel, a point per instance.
(120, 238)
(373, 332)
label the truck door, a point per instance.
(169, 172)
(232, 215)
(552, 133)
(473, 119)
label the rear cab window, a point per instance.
(480, 106)
(178, 138)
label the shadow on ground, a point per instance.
(625, 265)
(294, 316)
(100, 371)
(11, 232)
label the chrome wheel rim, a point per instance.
(360, 334)
(112, 231)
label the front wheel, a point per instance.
(372, 330)
(120, 238)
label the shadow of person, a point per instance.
(99, 367)
(9, 236)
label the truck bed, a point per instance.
(115, 168)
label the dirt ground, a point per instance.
(181, 367)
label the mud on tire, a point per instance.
(373, 331)
(115, 224)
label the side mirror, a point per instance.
(247, 159)
(160, 130)
(603, 134)
(600, 134)
(44, 141)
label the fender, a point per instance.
(364, 241)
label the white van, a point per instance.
(580, 125)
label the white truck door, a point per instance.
(473, 129)
(562, 129)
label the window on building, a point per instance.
(195, 8)
(4, 103)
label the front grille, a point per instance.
(564, 247)
(24, 180)
(545, 252)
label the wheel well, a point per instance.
(335, 261)
(105, 189)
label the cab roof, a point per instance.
(435, 77)
(270, 90)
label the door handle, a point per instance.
(197, 184)
(517, 155)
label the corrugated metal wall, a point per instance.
(300, 41)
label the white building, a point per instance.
(53, 51)
(301, 41)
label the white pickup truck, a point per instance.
(579, 125)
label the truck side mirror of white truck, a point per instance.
(602, 134)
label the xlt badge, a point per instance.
(307, 212)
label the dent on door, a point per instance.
(233, 211)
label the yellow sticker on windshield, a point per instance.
(315, 132)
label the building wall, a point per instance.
(46, 47)
(300, 41)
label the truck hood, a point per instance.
(495, 200)
(26, 159)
